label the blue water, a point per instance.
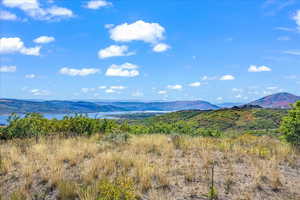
(99, 115)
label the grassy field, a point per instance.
(149, 167)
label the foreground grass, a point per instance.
(155, 167)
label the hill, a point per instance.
(23, 106)
(233, 119)
(162, 106)
(278, 100)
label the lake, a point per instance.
(99, 115)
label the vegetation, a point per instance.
(182, 155)
(154, 167)
(225, 122)
(290, 125)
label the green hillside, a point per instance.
(224, 119)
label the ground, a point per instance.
(149, 167)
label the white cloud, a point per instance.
(238, 96)
(34, 51)
(254, 68)
(38, 92)
(117, 87)
(195, 84)
(114, 50)
(297, 19)
(102, 87)
(16, 45)
(161, 47)
(78, 72)
(30, 76)
(208, 78)
(272, 88)
(86, 90)
(227, 78)
(285, 29)
(293, 52)
(139, 30)
(8, 68)
(33, 9)
(162, 92)
(110, 91)
(109, 26)
(219, 98)
(44, 39)
(96, 4)
(60, 12)
(125, 70)
(237, 90)
(174, 87)
(5, 15)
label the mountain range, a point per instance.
(7, 106)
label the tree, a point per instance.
(290, 125)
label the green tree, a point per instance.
(290, 125)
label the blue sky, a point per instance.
(216, 50)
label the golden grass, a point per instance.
(156, 163)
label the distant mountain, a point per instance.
(278, 100)
(163, 106)
(24, 106)
(228, 104)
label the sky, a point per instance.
(214, 50)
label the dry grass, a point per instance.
(161, 167)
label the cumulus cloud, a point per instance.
(114, 50)
(227, 78)
(44, 39)
(33, 9)
(139, 30)
(161, 47)
(78, 72)
(16, 45)
(296, 17)
(125, 70)
(219, 98)
(254, 68)
(5, 15)
(96, 4)
(8, 68)
(174, 87)
(30, 76)
(195, 84)
(39, 92)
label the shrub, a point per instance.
(120, 189)
(33, 124)
(290, 125)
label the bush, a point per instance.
(120, 189)
(290, 125)
(32, 124)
